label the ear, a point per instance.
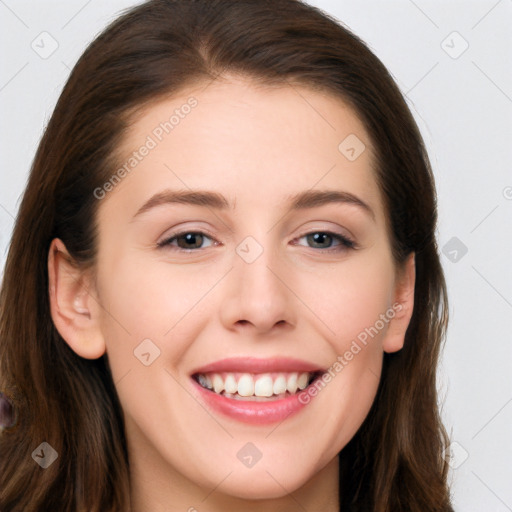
(75, 312)
(403, 306)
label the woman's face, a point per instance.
(245, 249)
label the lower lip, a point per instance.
(258, 413)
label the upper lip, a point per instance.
(257, 365)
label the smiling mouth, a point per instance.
(256, 387)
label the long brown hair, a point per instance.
(394, 462)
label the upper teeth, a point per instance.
(247, 384)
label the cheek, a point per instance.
(144, 301)
(352, 298)
(353, 313)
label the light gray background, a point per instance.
(462, 101)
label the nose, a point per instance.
(258, 296)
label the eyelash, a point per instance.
(344, 242)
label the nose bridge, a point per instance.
(258, 294)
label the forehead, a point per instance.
(254, 144)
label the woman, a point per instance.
(223, 290)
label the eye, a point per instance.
(325, 240)
(186, 240)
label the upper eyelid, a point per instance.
(327, 232)
(339, 229)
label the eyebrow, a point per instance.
(300, 201)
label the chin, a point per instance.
(262, 485)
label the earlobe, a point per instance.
(75, 312)
(403, 307)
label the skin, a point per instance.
(256, 146)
